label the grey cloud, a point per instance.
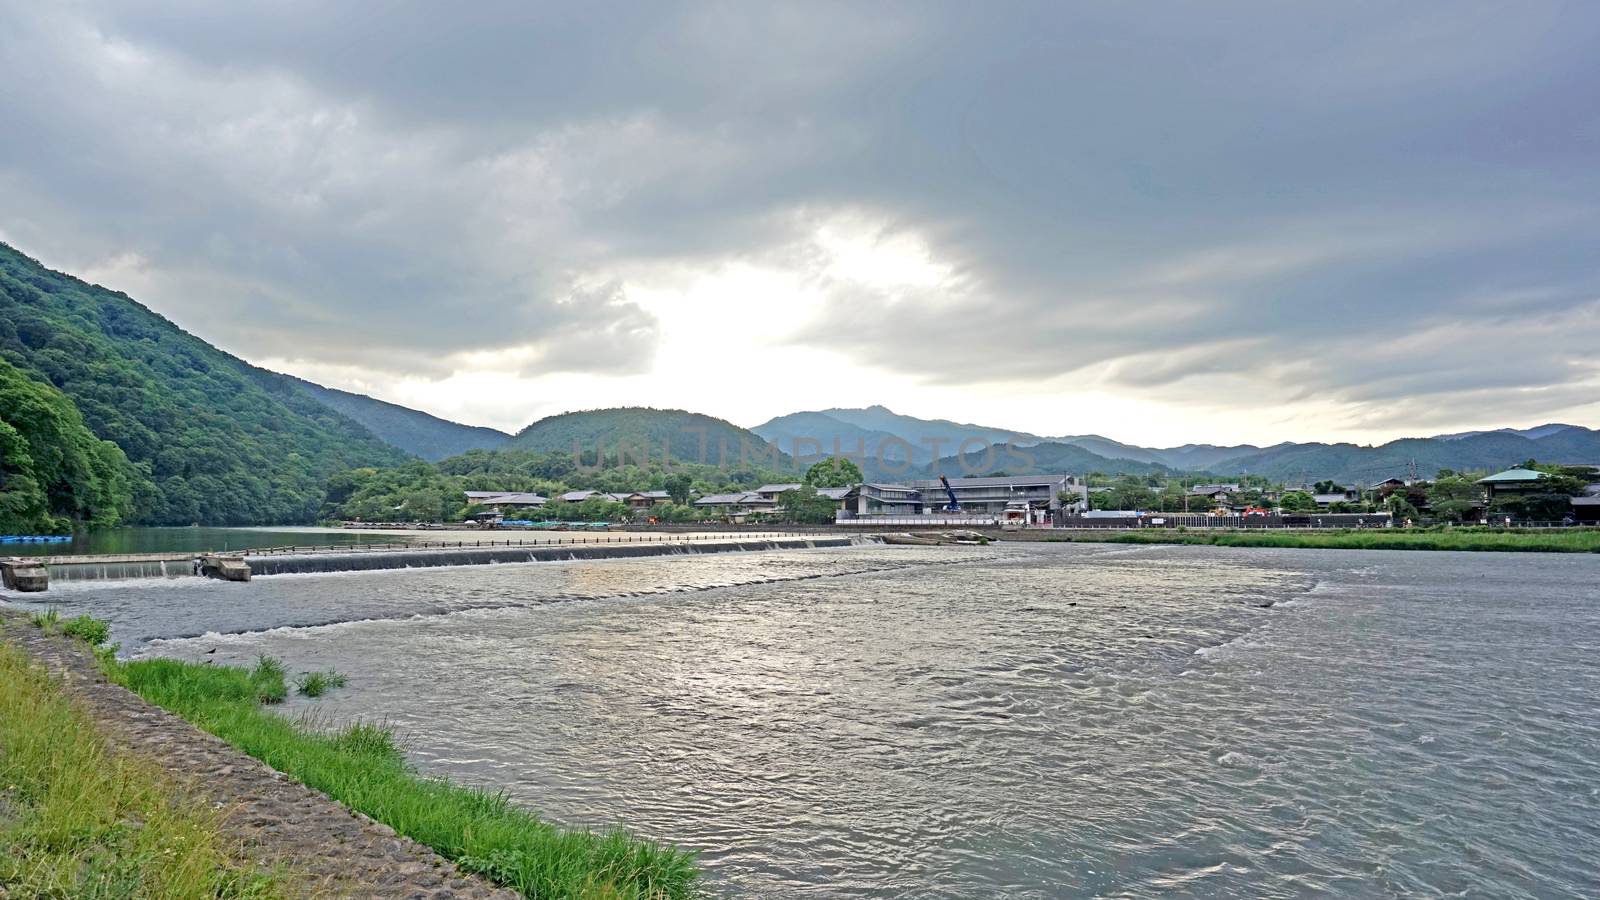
(1203, 195)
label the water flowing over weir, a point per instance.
(473, 556)
(175, 565)
(117, 570)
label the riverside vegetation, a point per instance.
(78, 820)
(1541, 541)
(361, 766)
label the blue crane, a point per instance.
(954, 505)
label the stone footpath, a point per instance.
(342, 853)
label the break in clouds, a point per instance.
(1387, 210)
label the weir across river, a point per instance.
(241, 565)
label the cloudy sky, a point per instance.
(1161, 222)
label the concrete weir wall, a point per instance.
(275, 564)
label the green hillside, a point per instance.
(216, 440)
(54, 473)
(417, 433)
(1350, 463)
(1050, 458)
(688, 437)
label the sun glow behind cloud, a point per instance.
(1356, 222)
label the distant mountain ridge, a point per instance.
(1353, 464)
(413, 431)
(873, 426)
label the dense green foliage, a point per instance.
(1297, 501)
(417, 433)
(433, 492)
(651, 437)
(1452, 497)
(835, 471)
(361, 767)
(1169, 494)
(54, 473)
(218, 441)
(806, 506)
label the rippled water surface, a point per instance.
(1018, 720)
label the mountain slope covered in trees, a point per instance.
(54, 472)
(1049, 458)
(214, 439)
(684, 436)
(413, 431)
(876, 427)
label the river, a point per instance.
(1013, 720)
(199, 539)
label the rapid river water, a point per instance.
(1013, 720)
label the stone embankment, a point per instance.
(330, 850)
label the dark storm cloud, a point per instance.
(1351, 200)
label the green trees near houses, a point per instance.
(1401, 508)
(679, 486)
(804, 505)
(595, 509)
(1297, 502)
(1127, 492)
(835, 471)
(1550, 503)
(1453, 497)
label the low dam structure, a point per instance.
(358, 560)
(35, 574)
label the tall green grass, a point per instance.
(361, 767)
(77, 820)
(1466, 539)
(315, 684)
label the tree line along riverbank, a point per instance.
(1585, 540)
(80, 813)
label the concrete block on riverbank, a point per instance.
(24, 575)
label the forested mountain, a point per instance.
(877, 426)
(1049, 458)
(810, 433)
(1350, 463)
(415, 432)
(688, 437)
(1534, 433)
(53, 471)
(877, 423)
(214, 439)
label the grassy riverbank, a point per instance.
(1468, 539)
(361, 767)
(77, 820)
